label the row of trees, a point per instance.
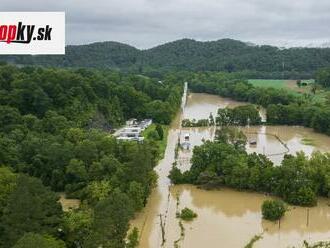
(241, 115)
(53, 125)
(196, 123)
(235, 86)
(314, 116)
(282, 106)
(224, 162)
(323, 77)
(238, 116)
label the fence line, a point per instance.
(278, 138)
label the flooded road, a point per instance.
(228, 218)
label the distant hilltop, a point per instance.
(186, 54)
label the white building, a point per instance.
(139, 138)
(130, 132)
(145, 123)
(133, 130)
(131, 122)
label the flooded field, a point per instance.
(295, 139)
(228, 218)
(200, 105)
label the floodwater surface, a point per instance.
(228, 218)
(200, 105)
(275, 141)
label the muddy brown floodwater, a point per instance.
(228, 218)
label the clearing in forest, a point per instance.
(291, 85)
(283, 84)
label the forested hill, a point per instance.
(186, 54)
(102, 54)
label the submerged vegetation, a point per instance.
(195, 123)
(320, 244)
(238, 116)
(224, 162)
(187, 214)
(255, 239)
(308, 141)
(273, 209)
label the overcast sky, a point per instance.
(146, 23)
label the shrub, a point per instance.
(133, 239)
(187, 214)
(37, 240)
(160, 131)
(176, 175)
(153, 135)
(273, 209)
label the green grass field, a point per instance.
(291, 85)
(268, 83)
(281, 84)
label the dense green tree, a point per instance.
(98, 190)
(161, 112)
(30, 200)
(211, 119)
(282, 106)
(232, 136)
(176, 176)
(7, 185)
(76, 171)
(273, 209)
(323, 77)
(110, 222)
(224, 162)
(137, 195)
(9, 118)
(55, 125)
(160, 131)
(77, 225)
(39, 241)
(153, 135)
